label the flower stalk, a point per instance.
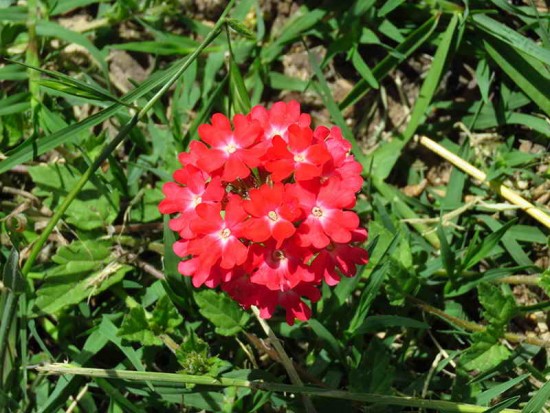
(185, 379)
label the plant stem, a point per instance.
(468, 325)
(122, 134)
(471, 170)
(184, 379)
(520, 279)
(283, 357)
(534, 307)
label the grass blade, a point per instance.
(530, 76)
(122, 134)
(512, 37)
(387, 155)
(536, 404)
(402, 52)
(185, 379)
(477, 253)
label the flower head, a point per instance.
(263, 209)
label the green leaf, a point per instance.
(484, 354)
(417, 38)
(13, 14)
(498, 390)
(483, 79)
(537, 402)
(64, 388)
(239, 94)
(368, 295)
(227, 317)
(146, 209)
(94, 207)
(47, 28)
(327, 337)
(499, 308)
(544, 281)
(31, 147)
(62, 7)
(389, 6)
(477, 252)
(529, 75)
(86, 268)
(135, 327)
(240, 28)
(11, 275)
(165, 317)
(375, 373)
(363, 69)
(512, 37)
(447, 254)
(335, 112)
(72, 86)
(509, 243)
(503, 405)
(193, 357)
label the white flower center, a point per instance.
(316, 211)
(299, 158)
(225, 233)
(273, 215)
(231, 148)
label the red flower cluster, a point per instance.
(264, 209)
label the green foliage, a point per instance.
(431, 322)
(221, 311)
(85, 269)
(144, 328)
(95, 207)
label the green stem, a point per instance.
(185, 379)
(534, 307)
(122, 134)
(468, 325)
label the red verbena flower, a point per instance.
(263, 209)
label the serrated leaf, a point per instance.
(165, 317)
(135, 327)
(485, 353)
(498, 307)
(94, 206)
(544, 282)
(84, 271)
(227, 317)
